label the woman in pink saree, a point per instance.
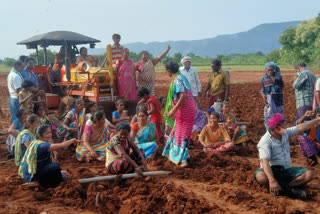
(126, 81)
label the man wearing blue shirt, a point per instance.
(27, 71)
(274, 153)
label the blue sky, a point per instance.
(142, 20)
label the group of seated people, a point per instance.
(124, 143)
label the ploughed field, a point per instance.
(208, 185)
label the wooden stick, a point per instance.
(125, 176)
(6, 161)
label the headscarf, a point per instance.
(169, 101)
(273, 65)
(275, 120)
(17, 148)
(185, 59)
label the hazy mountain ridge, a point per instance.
(262, 38)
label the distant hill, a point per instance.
(262, 38)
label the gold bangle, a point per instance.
(272, 180)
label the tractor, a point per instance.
(77, 80)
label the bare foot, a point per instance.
(184, 164)
(100, 159)
(88, 160)
(30, 185)
(66, 175)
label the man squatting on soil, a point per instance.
(274, 153)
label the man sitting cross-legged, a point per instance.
(274, 152)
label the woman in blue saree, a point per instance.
(145, 134)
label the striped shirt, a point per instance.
(116, 53)
(304, 88)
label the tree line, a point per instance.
(232, 59)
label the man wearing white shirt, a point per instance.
(192, 75)
(14, 81)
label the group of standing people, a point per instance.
(276, 171)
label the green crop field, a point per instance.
(207, 68)
(4, 68)
(201, 68)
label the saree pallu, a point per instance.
(270, 109)
(302, 110)
(200, 121)
(99, 146)
(242, 137)
(308, 147)
(146, 77)
(145, 139)
(126, 81)
(176, 148)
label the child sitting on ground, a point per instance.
(120, 114)
(225, 111)
(236, 132)
(214, 137)
(38, 109)
(26, 95)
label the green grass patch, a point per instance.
(4, 68)
(207, 68)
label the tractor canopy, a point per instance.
(57, 38)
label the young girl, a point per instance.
(225, 111)
(215, 138)
(120, 115)
(38, 109)
(237, 133)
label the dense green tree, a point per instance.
(301, 43)
(177, 57)
(9, 61)
(50, 56)
(273, 56)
